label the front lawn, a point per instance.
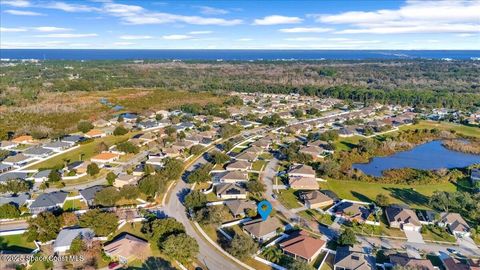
(288, 198)
(435, 233)
(73, 205)
(17, 242)
(414, 196)
(324, 219)
(258, 165)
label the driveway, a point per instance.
(414, 237)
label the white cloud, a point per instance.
(123, 43)
(277, 19)
(413, 17)
(51, 29)
(200, 32)
(66, 35)
(212, 10)
(245, 39)
(176, 37)
(70, 7)
(306, 30)
(16, 3)
(466, 35)
(12, 30)
(23, 12)
(133, 37)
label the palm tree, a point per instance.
(273, 254)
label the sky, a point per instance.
(326, 24)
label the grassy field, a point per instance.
(258, 165)
(288, 198)
(16, 242)
(416, 197)
(73, 205)
(346, 143)
(51, 110)
(462, 129)
(437, 234)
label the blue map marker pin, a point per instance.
(264, 208)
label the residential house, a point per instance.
(313, 151)
(171, 152)
(5, 167)
(37, 152)
(238, 208)
(263, 143)
(48, 202)
(302, 177)
(451, 263)
(404, 261)
(302, 247)
(24, 139)
(41, 176)
(246, 156)
(13, 176)
(234, 177)
(8, 145)
(95, 133)
(57, 146)
(72, 139)
(79, 166)
(239, 165)
(353, 258)
(125, 179)
(65, 237)
(88, 194)
(315, 199)
(353, 211)
(262, 230)
(301, 170)
(17, 200)
(254, 149)
(230, 191)
(127, 248)
(402, 218)
(455, 224)
(17, 160)
(105, 157)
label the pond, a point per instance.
(428, 156)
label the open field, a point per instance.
(57, 113)
(461, 129)
(416, 196)
(16, 242)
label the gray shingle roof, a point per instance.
(66, 236)
(89, 193)
(19, 200)
(49, 199)
(13, 175)
(37, 151)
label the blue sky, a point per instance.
(116, 24)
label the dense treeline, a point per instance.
(433, 83)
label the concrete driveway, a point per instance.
(414, 237)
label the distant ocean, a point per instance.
(244, 55)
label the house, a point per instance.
(105, 157)
(17, 160)
(65, 237)
(262, 230)
(234, 177)
(125, 179)
(57, 146)
(18, 200)
(239, 165)
(95, 133)
(263, 143)
(88, 194)
(455, 224)
(313, 151)
(41, 176)
(315, 199)
(13, 176)
(8, 145)
(402, 260)
(24, 139)
(230, 191)
(171, 152)
(246, 156)
(301, 170)
(451, 263)
(101, 123)
(353, 258)
(79, 166)
(402, 218)
(37, 152)
(303, 183)
(302, 247)
(239, 207)
(5, 167)
(48, 202)
(72, 139)
(254, 149)
(127, 248)
(352, 211)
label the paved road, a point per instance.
(208, 255)
(13, 225)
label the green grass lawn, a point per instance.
(324, 219)
(265, 156)
(237, 150)
(346, 143)
(434, 233)
(463, 129)
(415, 196)
(73, 205)
(16, 242)
(87, 150)
(288, 198)
(258, 165)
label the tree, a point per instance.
(15, 186)
(347, 238)
(54, 176)
(107, 196)
(127, 147)
(84, 126)
(68, 219)
(219, 157)
(173, 169)
(111, 176)
(101, 147)
(102, 223)
(9, 211)
(129, 192)
(200, 175)
(272, 254)
(298, 113)
(212, 215)
(170, 130)
(44, 227)
(440, 200)
(382, 200)
(77, 245)
(159, 117)
(93, 169)
(196, 150)
(195, 199)
(255, 187)
(120, 130)
(242, 246)
(227, 146)
(152, 184)
(181, 247)
(159, 229)
(228, 130)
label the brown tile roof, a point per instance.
(94, 132)
(229, 189)
(315, 197)
(105, 156)
(238, 207)
(404, 260)
(352, 258)
(302, 169)
(303, 183)
(128, 246)
(401, 215)
(23, 138)
(235, 175)
(246, 156)
(259, 228)
(302, 245)
(239, 164)
(455, 222)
